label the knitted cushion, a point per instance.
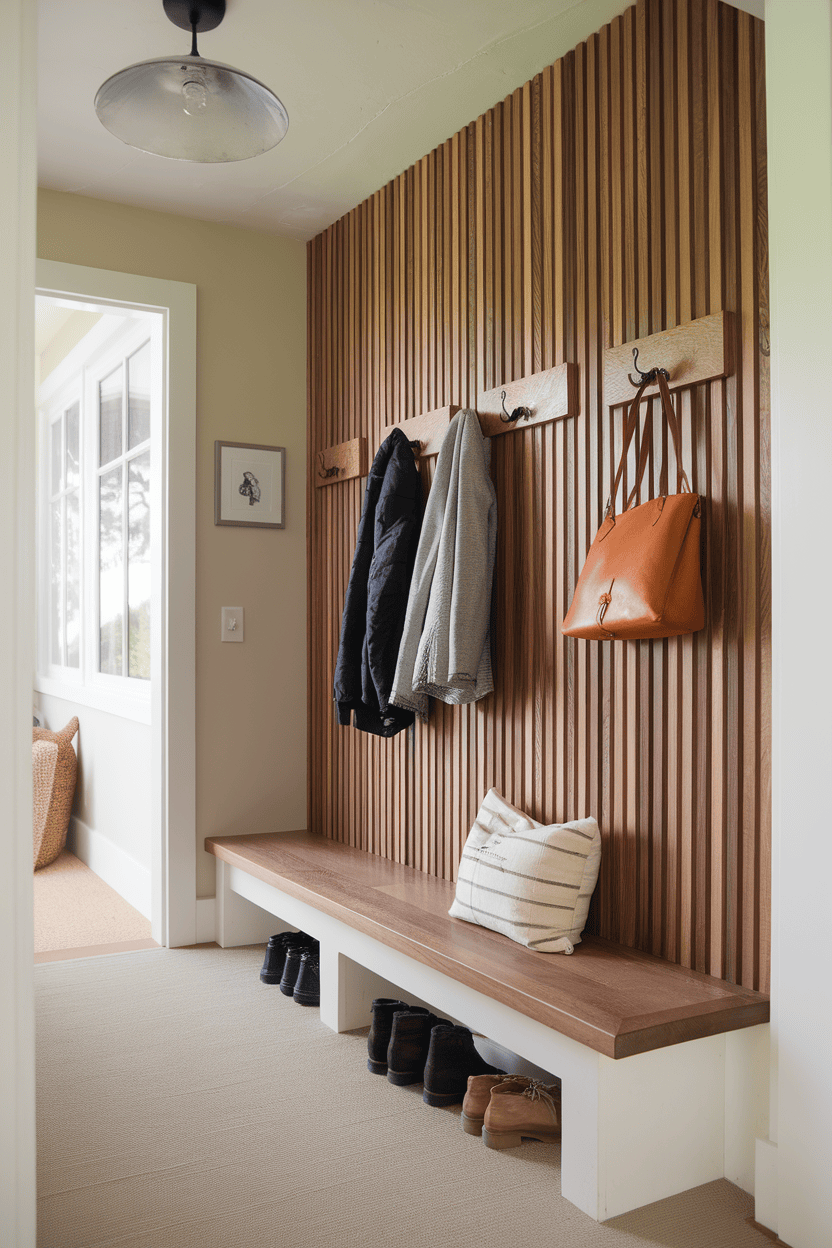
(531, 882)
(54, 790)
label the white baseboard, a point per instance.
(206, 920)
(115, 867)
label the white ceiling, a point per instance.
(370, 86)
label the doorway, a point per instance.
(120, 642)
(99, 406)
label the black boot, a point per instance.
(292, 964)
(379, 1038)
(452, 1057)
(276, 955)
(409, 1043)
(308, 983)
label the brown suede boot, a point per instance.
(479, 1094)
(512, 1114)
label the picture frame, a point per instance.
(250, 485)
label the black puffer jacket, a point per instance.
(376, 601)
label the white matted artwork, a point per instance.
(249, 484)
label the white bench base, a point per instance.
(635, 1130)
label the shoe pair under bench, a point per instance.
(409, 1044)
(506, 1109)
(292, 961)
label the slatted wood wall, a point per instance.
(619, 193)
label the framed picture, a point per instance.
(249, 485)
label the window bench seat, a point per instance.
(650, 1054)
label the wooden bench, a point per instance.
(649, 1053)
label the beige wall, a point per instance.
(251, 374)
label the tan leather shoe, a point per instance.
(478, 1095)
(514, 1113)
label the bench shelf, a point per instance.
(646, 1049)
(615, 1000)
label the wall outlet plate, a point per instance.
(233, 624)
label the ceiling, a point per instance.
(370, 86)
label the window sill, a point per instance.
(108, 700)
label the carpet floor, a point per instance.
(183, 1104)
(75, 909)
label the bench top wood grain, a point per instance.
(615, 1000)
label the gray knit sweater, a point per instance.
(445, 650)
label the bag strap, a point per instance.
(670, 418)
(682, 483)
(629, 429)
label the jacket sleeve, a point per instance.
(398, 518)
(347, 679)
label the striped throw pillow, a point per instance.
(531, 882)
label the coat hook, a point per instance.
(328, 472)
(517, 414)
(416, 447)
(644, 377)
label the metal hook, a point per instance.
(328, 472)
(517, 414)
(643, 377)
(416, 448)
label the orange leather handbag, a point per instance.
(642, 578)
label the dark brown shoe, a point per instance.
(379, 1038)
(409, 1044)
(452, 1057)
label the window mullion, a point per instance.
(64, 594)
(124, 535)
(125, 530)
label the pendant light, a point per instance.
(188, 108)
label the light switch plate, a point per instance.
(233, 624)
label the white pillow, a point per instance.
(531, 882)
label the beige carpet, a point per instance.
(183, 1104)
(75, 909)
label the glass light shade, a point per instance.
(187, 108)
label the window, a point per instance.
(96, 517)
(123, 617)
(64, 536)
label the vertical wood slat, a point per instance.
(619, 193)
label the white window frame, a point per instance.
(108, 344)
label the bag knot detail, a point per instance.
(603, 602)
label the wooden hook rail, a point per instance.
(550, 395)
(428, 430)
(341, 462)
(535, 400)
(700, 350)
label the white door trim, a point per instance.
(173, 856)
